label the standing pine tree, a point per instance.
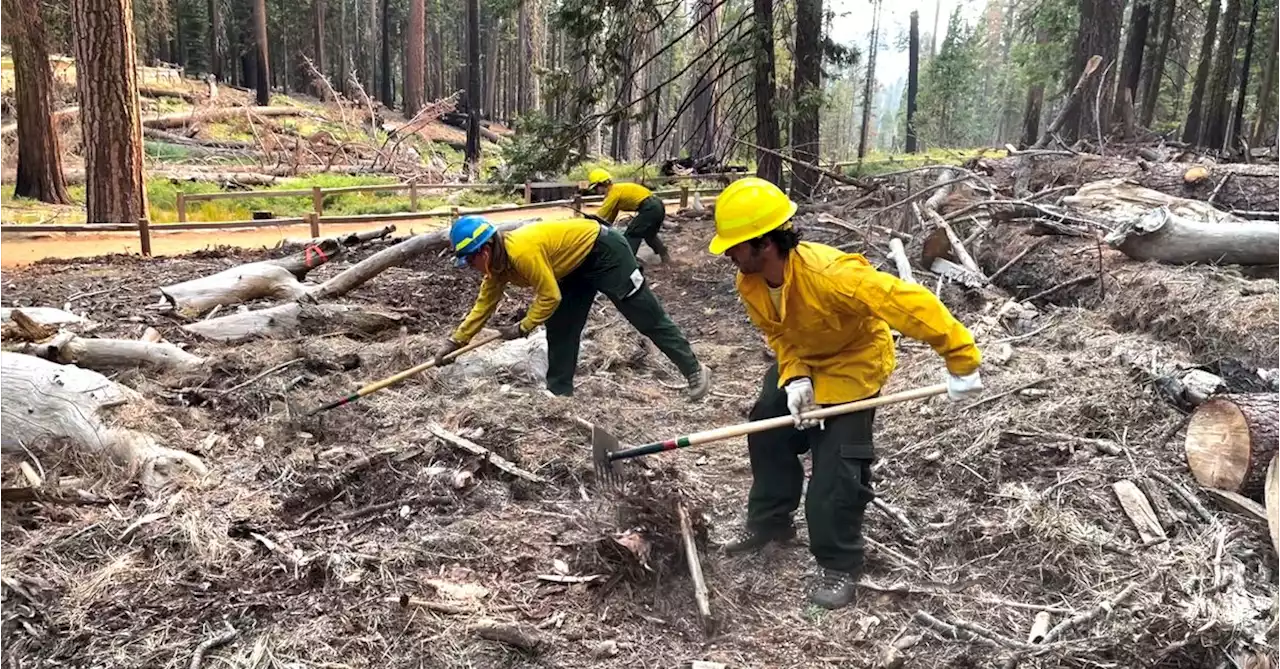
(948, 114)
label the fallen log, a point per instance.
(292, 319)
(1150, 225)
(42, 401)
(1230, 442)
(181, 119)
(1272, 492)
(162, 92)
(1252, 187)
(1209, 312)
(278, 279)
(67, 348)
(171, 138)
(392, 256)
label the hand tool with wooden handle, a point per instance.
(605, 447)
(392, 380)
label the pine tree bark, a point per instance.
(1262, 126)
(387, 89)
(263, 73)
(110, 119)
(317, 45)
(1098, 34)
(1131, 68)
(868, 92)
(913, 82)
(473, 87)
(489, 86)
(703, 141)
(807, 82)
(768, 166)
(1237, 123)
(415, 58)
(1034, 107)
(1151, 92)
(215, 39)
(39, 151)
(1194, 125)
(1218, 105)
(532, 46)
(370, 62)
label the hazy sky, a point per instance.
(852, 22)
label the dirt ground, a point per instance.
(337, 541)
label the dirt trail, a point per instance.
(17, 250)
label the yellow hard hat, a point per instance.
(598, 176)
(747, 209)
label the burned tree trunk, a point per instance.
(807, 83)
(415, 58)
(1267, 91)
(317, 47)
(1194, 124)
(473, 87)
(1242, 92)
(768, 165)
(387, 89)
(1070, 109)
(39, 151)
(1098, 35)
(1230, 441)
(263, 71)
(110, 120)
(913, 82)
(1151, 92)
(1131, 69)
(1217, 108)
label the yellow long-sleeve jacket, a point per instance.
(834, 321)
(538, 255)
(622, 197)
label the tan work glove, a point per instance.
(445, 348)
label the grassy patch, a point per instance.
(877, 162)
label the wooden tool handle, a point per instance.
(752, 427)
(391, 380)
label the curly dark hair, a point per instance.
(784, 239)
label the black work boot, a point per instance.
(753, 540)
(834, 590)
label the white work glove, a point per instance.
(800, 399)
(961, 387)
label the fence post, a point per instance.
(314, 221)
(528, 193)
(317, 200)
(144, 235)
(453, 211)
(577, 203)
(413, 196)
(684, 195)
(182, 207)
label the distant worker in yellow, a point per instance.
(650, 211)
(827, 316)
(565, 263)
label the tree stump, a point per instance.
(1231, 440)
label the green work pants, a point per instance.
(609, 268)
(646, 224)
(840, 486)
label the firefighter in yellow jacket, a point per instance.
(566, 263)
(650, 211)
(827, 316)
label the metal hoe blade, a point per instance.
(603, 446)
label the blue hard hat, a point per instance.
(468, 235)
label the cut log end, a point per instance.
(1230, 440)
